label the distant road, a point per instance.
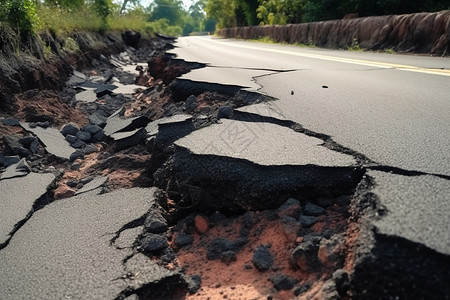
(394, 109)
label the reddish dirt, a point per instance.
(160, 67)
(209, 99)
(47, 106)
(240, 279)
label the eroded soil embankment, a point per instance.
(45, 61)
(418, 33)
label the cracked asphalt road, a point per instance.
(392, 109)
(66, 249)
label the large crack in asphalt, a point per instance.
(208, 182)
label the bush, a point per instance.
(21, 15)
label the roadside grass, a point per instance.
(268, 40)
(58, 20)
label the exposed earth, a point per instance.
(116, 201)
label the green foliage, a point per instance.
(223, 11)
(171, 10)
(355, 46)
(21, 15)
(162, 26)
(58, 20)
(65, 3)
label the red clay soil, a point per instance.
(240, 279)
(124, 170)
(41, 106)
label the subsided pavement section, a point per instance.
(413, 210)
(263, 144)
(18, 195)
(67, 249)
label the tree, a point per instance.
(125, 3)
(171, 10)
(21, 15)
(65, 3)
(223, 11)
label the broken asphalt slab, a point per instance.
(227, 76)
(236, 165)
(94, 184)
(416, 208)
(66, 250)
(263, 144)
(53, 140)
(403, 248)
(116, 123)
(17, 200)
(152, 128)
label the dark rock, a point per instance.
(92, 129)
(9, 160)
(341, 280)
(225, 112)
(304, 257)
(34, 146)
(44, 124)
(194, 282)
(291, 227)
(71, 138)
(290, 208)
(283, 282)
(83, 136)
(72, 183)
(10, 122)
(104, 155)
(182, 240)
(75, 166)
(26, 141)
(99, 136)
(228, 257)
(301, 289)
(313, 209)
(76, 155)
(131, 38)
(307, 221)
(168, 255)
(191, 103)
(70, 128)
(262, 259)
(12, 142)
(330, 250)
(153, 243)
(155, 222)
(78, 143)
(98, 119)
(219, 245)
(86, 180)
(90, 148)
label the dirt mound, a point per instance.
(419, 33)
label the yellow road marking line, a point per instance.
(382, 65)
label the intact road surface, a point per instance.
(391, 109)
